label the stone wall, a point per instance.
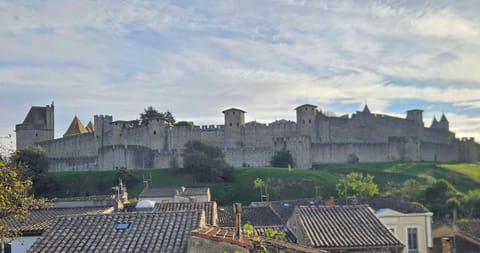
(316, 138)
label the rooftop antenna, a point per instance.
(147, 181)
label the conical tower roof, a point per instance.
(443, 119)
(365, 109)
(76, 127)
(89, 127)
(434, 122)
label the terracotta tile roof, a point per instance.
(376, 203)
(344, 227)
(120, 232)
(210, 209)
(221, 234)
(90, 127)
(39, 220)
(257, 216)
(76, 127)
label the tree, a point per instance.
(410, 190)
(129, 179)
(441, 197)
(282, 159)
(32, 163)
(34, 158)
(151, 113)
(205, 162)
(258, 183)
(471, 204)
(357, 185)
(15, 198)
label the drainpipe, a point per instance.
(237, 209)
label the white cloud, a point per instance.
(197, 59)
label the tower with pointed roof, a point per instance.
(443, 123)
(37, 126)
(76, 127)
(434, 122)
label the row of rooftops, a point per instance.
(167, 226)
(328, 224)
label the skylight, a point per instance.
(123, 226)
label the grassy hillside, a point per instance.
(284, 184)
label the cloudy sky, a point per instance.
(196, 58)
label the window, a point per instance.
(309, 121)
(123, 226)
(412, 239)
(36, 134)
(154, 132)
(230, 124)
(303, 121)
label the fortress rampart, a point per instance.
(314, 138)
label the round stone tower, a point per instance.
(234, 125)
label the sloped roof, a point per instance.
(210, 209)
(76, 127)
(173, 191)
(257, 216)
(39, 220)
(395, 203)
(233, 109)
(146, 232)
(89, 127)
(285, 208)
(305, 105)
(443, 118)
(471, 229)
(157, 192)
(289, 237)
(193, 191)
(344, 227)
(434, 122)
(222, 234)
(366, 109)
(36, 116)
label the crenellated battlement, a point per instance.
(314, 137)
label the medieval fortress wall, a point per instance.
(313, 138)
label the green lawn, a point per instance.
(284, 184)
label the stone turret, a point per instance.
(102, 125)
(234, 124)
(38, 126)
(434, 123)
(415, 115)
(443, 123)
(306, 115)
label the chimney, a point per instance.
(237, 209)
(446, 245)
